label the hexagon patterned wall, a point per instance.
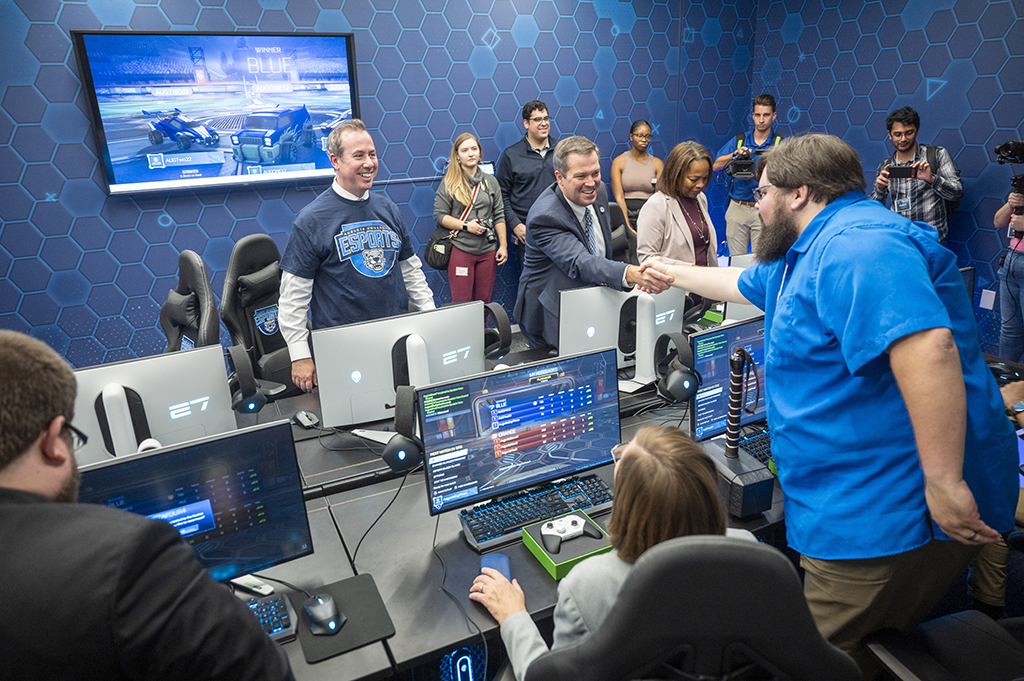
(87, 272)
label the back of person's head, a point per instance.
(665, 487)
(334, 145)
(572, 145)
(905, 116)
(38, 386)
(765, 100)
(828, 166)
(678, 162)
(530, 107)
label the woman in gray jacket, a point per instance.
(468, 203)
(665, 487)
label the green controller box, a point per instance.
(562, 542)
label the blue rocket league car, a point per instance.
(273, 135)
(179, 129)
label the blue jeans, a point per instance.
(1011, 307)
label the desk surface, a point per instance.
(328, 563)
(398, 554)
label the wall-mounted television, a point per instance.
(179, 110)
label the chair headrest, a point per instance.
(254, 287)
(182, 310)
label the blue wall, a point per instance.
(88, 272)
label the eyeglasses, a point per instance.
(545, 119)
(903, 135)
(78, 438)
(759, 191)
(646, 138)
(618, 450)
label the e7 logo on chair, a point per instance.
(664, 317)
(453, 356)
(185, 408)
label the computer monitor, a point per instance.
(735, 312)
(489, 435)
(712, 348)
(181, 396)
(597, 317)
(968, 273)
(355, 363)
(184, 110)
(743, 261)
(235, 497)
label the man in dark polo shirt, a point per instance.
(526, 169)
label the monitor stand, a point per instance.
(645, 339)
(122, 419)
(419, 375)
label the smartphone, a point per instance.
(902, 171)
(497, 561)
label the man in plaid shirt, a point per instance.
(934, 178)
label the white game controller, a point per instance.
(554, 532)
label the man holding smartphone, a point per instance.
(921, 179)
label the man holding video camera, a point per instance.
(920, 178)
(742, 222)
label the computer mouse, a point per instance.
(324, 618)
(306, 419)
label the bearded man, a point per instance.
(888, 430)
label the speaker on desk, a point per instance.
(404, 451)
(678, 380)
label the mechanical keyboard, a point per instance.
(759, 446)
(499, 521)
(276, 615)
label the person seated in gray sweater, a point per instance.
(665, 487)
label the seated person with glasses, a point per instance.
(92, 592)
(665, 487)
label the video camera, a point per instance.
(1013, 152)
(743, 166)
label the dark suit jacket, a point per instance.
(557, 259)
(94, 593)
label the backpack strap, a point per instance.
(931, 153)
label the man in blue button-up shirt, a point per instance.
(895, 457)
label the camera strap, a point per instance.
(472, 200)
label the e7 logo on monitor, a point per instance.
(453, 356)
(185, 408)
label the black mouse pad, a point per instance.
(300, 434)
(368, 619)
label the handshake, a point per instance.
(653, 276)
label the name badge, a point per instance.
(902, 206)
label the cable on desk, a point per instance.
(404, 478)
(281, 581)
(444, 575)
(340, 431)
(686, 410)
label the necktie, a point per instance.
(588, 228)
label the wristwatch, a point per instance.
(1015, 409)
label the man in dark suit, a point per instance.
(568, 242)
(91, 592)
